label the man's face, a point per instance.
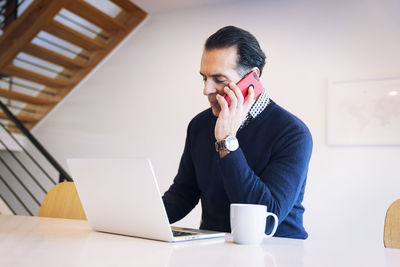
(218, 68)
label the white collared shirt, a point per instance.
(255, 110)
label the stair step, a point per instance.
(74, 37)
(24, 119)
(26, 27)
(126, 5)
(95, 16)
(53, 57)
(39, 16)
(25, 98)
(34, 77)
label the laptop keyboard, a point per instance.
(180, 233)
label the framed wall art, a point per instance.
(364, 112)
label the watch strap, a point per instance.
(220, 145)
(230, 143)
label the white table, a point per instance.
(33, 241)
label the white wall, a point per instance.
(141, 100)
(4, 209)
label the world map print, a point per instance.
(364, 112)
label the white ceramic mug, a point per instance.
(248, 223)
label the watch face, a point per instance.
(232, 143)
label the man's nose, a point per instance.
(209, 88)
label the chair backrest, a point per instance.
(62, 201)
(391, 236)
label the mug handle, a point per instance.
(275, 224)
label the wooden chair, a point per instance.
(391, 233)
(62, 201)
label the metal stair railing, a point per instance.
(9, 176)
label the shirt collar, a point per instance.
(256, 109)
(260, 104)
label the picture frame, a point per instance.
(363, 112)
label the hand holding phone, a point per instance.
(251, 79)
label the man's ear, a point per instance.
(257, 70)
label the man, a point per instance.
(270, 164)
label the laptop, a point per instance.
(121, 196)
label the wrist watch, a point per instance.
(230, 144)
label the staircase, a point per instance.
(52, 46)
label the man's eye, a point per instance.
(220, 81)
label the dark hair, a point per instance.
(249, 52)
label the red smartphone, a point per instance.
(250, 79)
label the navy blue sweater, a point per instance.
(270, 168)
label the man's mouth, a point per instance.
(214, 103)
(212, 99)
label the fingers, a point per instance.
(232, 97)
(250, 98)
(236, 96)
(223, 104)
(238, 93)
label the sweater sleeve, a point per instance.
(184, 194)
(279, 184)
